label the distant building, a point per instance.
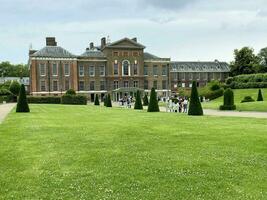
(23, 80)
(119, 68)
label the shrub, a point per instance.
(247, 99)
(138, 103)
(44, 100)
(4, 92)
(145, 100)
(153, 105)
(228, 100)
(108, 103)
(22, 105)
(74, 99)
(195, 107)
(214, 85)
(248, 81)
(260, 97)
(14, 88)
(105, 100)
(96, 100)
(71, 92)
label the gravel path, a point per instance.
(5, 109)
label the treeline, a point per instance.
(13, 70)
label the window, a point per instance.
(164, 84)
(135, 53)
(102, 70)
(115, 53)
(54, 69)
(155, 84)
(136, 84)
(183, 85)
(145, 70)
(91, 71)
(190, 76)
(155, 70)
(125, 67)
(126, 84)
(182, 74)
(164, 70)
(116, 85)
(67, 85)
(81, 70)
(92, 85)
(55, 86)
(135, 69)
(42, 69)
(81, 85)
(125, 53)
(146, 84)
(43, 87)
(67, 69)
(102, 85)
(116, 69)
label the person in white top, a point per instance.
(185, 105)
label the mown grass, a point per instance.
(239, 95)
(87, 152)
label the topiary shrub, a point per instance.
(108, 103)
(96, 100)
(22, 105)
(73, 99)
(247, 99)
(260, 97)
(71, 92)
(145, 100)
(153, 105)
(14, 88)
(195, 107)
(228, 100)
(138, 103)
(105, 100)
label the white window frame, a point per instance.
(129, 68)
(40, 67)
(54, 85)
(93, 71)
(81, 75)
(117, 69)
(104, 70)
(41, 85)
(54, 64)
(136, 84)
(67, 64)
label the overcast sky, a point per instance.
(184, 30)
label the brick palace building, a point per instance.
(119, 68)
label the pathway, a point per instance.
(5, 109)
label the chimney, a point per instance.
(91, 45)
(103, 42)
(87, 49)
(51, 41)
(32, 52)
(134, 39)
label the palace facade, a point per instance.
(119, 68)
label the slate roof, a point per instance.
(149, 56)
(93, 53)
(53, 52)
(199, 67)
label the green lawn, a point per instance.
(87, 152)
(239, 95)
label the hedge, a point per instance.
(213, 94)
(228, 100)
(74, 99)
(44, 100)
(247, 81)
(247, 99)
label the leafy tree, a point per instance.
(97, 100)
(153, 105)
(260, 97)
(246, 62)
(263, 60)
(195, 107)
(22, 105)
(13, 70)
(14, 88)
(138, 103)
(145, 100)
(71, 92)
(109, 103)
(228, 100)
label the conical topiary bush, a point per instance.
(22, 105)
(260, 97)
(109, 103)
(138, 103)
(195, 107)
(96, 100)
(105, 100)
(153, 105)
(145, 100)
(228, 100)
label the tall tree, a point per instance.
(153, 105)
(13, 70)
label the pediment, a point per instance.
(126, 43)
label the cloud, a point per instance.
(167, 4)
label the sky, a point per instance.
(183, 30)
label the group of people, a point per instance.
(126, 101)
(179, 105)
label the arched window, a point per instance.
(126, 68)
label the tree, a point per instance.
(22, 105)
(246, 62)
(71, 92)
(153, 105)
(138, 103)
(14, 88)
(97, 100)
(263, 60)
(195, 107)
(109, 103)
(145, 100)
(14, 70)
(260, 97)
(228, 100)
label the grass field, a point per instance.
(239, 95)
(87, 152)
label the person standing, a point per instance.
(185, 105)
